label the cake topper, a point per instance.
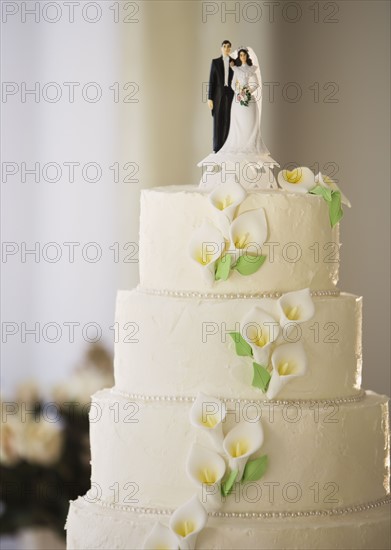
(235, 99)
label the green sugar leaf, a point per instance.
(333, 198)
(242, 348)
(255, 469)
(227, 485)
(223, 266)
(261, 377)
(323, 192)
(247, 264)
(335, 208)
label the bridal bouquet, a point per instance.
(244, 96)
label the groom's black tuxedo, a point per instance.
(222, 99)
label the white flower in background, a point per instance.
(241, 442)
(81, 384)
(206, 246)
(161, 537)
(187, 521)
(28, 392)
(299, 180)
(208, 413)
(10, 441)
(227, 197)
(206, 468)
(260, 330)
(328, 183)
(296, 307)
(248, 231)
(42, 442)
(289, 361)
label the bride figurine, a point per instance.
(244, 149)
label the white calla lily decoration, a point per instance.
(298, 180)
(269, 306)
(289, 361)
(208, 414)
(206, 246)
(248, 232)
(328, 183)
(296, 307)
(161, 537)
(240, 443)
(187, 521)
(227, 197)
(260, 330)
(206, 468)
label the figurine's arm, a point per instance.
(235, 82)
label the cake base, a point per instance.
(93, 526)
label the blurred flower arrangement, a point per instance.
(44, 446)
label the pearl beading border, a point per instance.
(226, 296)
(256, 515)
(191, 399)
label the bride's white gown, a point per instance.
(244, 141)
(244, 135)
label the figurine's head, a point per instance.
(243, 57)
(226, 47)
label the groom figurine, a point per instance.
(220, 95)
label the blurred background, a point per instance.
(101, 99)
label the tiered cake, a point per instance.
(220, 432)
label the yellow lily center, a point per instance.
(207, 476)
(224, 202)
(184, 528)
(202, 257)
(293, 176)
(209, 420)
(293, 313)
(239, 448)
(285, 368)
(242, 240)
(261, 341)
(159, 547)
(259, 338)
(328, 181)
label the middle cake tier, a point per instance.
(179, 346)
(319, 456)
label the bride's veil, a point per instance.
(258, 94)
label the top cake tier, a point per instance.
(301, 247)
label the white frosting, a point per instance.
(179, 346)
(92, 526)
(305, 253)
(320, 457)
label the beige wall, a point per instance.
(346, 51)
(165, 47)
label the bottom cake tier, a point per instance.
(93, 526)
(336, 454)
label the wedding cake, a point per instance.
(237, 419)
